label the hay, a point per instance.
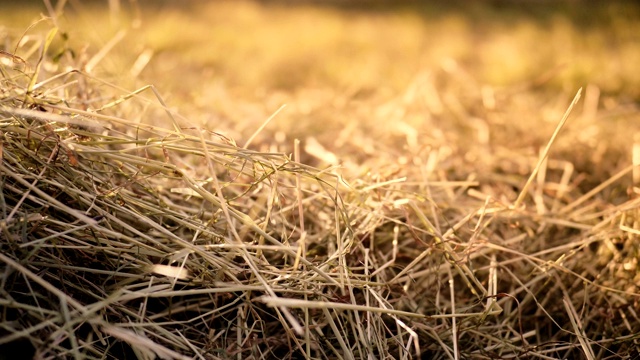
(128, 240)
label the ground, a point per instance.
(321, 180)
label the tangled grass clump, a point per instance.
(123, 239)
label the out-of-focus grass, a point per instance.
(273, 46)
(239, 61)
(281, 47)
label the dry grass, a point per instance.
(429, 210)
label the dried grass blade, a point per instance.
(45, 47)
(544, 155)
(577, 328)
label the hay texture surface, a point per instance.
(125, 239)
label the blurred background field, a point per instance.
(444, 105)
(232, 64)
(495, 72)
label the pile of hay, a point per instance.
(126, 240)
